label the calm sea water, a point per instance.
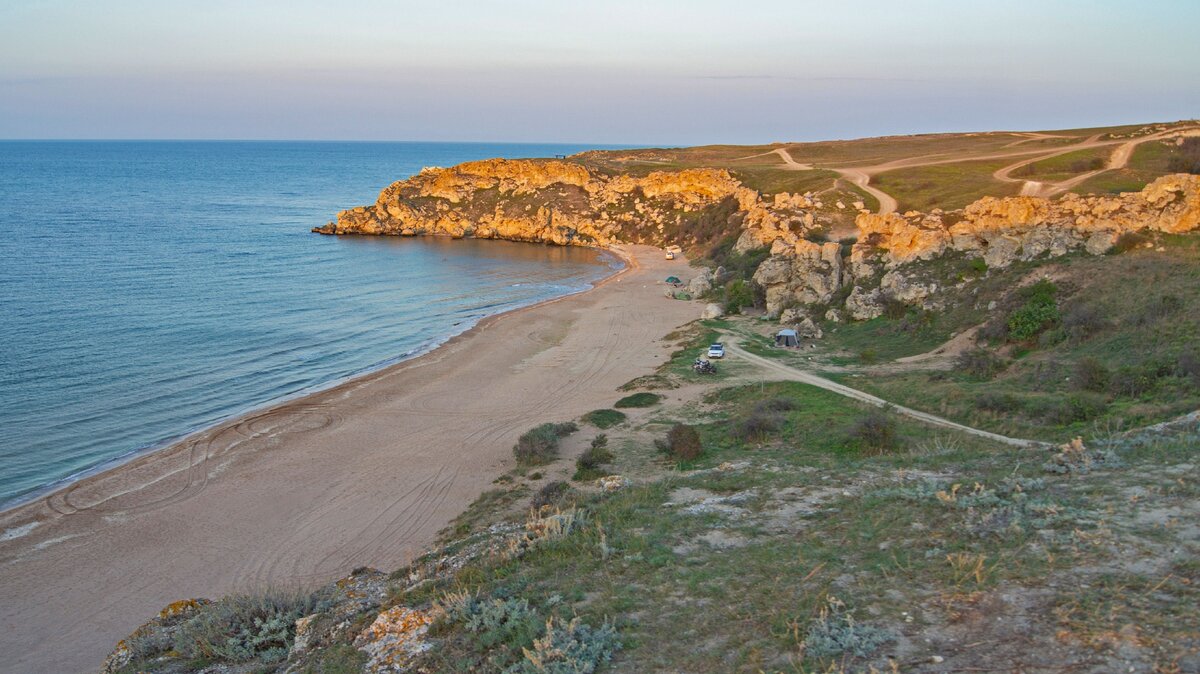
(148, 289)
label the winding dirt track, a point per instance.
(861, 175)
(363, 474)
(790, 373)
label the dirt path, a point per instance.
(793, 374)
(861, 175)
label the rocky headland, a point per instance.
(567, 203)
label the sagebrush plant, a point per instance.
(239, 628)
(568, 648)
(835, 632)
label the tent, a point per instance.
(787, 338)
(674, 280)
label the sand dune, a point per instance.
(362, 474)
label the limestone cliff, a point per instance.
(560, 202)
(998, 230)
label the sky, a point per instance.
(616, 71)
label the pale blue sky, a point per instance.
(609, 72)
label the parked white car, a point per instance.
(716, 351)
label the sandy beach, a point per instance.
(365, 473)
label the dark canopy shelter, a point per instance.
(787, 338)
(674, 280)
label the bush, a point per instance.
(738, 294)
(551, 493)
(1039, 312)
(569, 648)
(835, 632)
(587, 466)
(540, 445)
(868, 356)
(1090, 375)
(875, 432)
(244, 627)
(893, 308)
(980, 363)
(1127, 242)
(1156, 309)
(1188, 158)
(605, 418)
(1188, 365)
(993, 401)
(643, 399)
(1082, 321)
(994, 331)
(1074, 408)
(683, 443)
(1132, 380)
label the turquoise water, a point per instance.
(148, 289)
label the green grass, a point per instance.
(1142, 334)
(776, 180)
(1066, 165)
(1149, 161)
(605, 418)
(946, 186)
(641, 399)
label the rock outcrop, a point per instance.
(558, 202)
(1000, 231)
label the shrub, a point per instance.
(643, 399)
(569, 648)
(875, 432)
(1127, 242)
(588, 464)
(505, 625)
(757, 426)
(551, 493)
(1082, 321)
(1132, 381)
(868, 356)
(1074, 408)
(539, 445)
(835, 632)
(683, 443)
(893, 308)
(994, 331)
(1188, 158)
(980, 363)
(1039, 312)
(1090, 375)
(605, 418)
(1188, 365)
(978, 265)
(738, 294)
(1157, 308)
(993, 401)
(239, 628)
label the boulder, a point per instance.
(712, 310)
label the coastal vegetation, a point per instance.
(982, 450)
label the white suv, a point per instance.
(716, 351)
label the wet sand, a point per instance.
(365, 473)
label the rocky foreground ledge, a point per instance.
(565, 203)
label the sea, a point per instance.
(150, 289)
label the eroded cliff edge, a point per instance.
(566, 203)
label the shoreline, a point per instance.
(362, 473)
(118, 462)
